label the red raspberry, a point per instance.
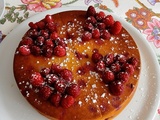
(44, 33)
(36, 79)
(88, 26)
(47, 51)
(91, 11)
(128, 68)
(99, 16)
(54, 35)
(56, 68)
(108, 21)
(101, 26)
(116, 28)
(52, 27)
(55, 99)
(100, 66)
(60, 86)
(46, 92)
(108, 76)
(66, 75)
(33, 25)
(51, 78)
(48, 19)
(96, 33)
(67, 101)
(24, 50)
(133, 61)
(39, 41)
(116, 88)
(26, 41)
(73, 90)
(41, 25)
(59, 51)
(86, 36)
(61, 42)
(109, 59)
(45, 71)
(91, 20)
(120, 58)
(123, 76)
(105, 34)
(115, 67)
(35, 50)
(96, 57)
(49, 43)
(33, 33)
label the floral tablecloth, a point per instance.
(144, 15)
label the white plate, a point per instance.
(2, 7)
(13, 105)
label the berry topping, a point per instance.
(133, 61)
(99, 16)
(55, 99)
(123, 76)
(51, 78)
(66, 75)
(115, 67)
(56, 68)
(45, 71)
(109, 59)
(59, 51)
(48, 19)
(128, 68)
(116, 28)
(36, 79)
(96, 33)
(108, 76)
(35, 50)
(60, 86)
(96, 57)
(45, 91)
(100, 66)
(86, 36)
(108, 20)
(73, 90)
(54, 35)
(26, 41)
(116, 87)
(91, 11)
(88, 27)
(105, 34)
(24, 50)
(67, 101)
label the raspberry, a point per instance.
(45, 71)
(51, 78)
(116, 88)
(66, 75)
(133, 61)
(48, 19)
(96, 33)
(36, 79)
(47, 51)
(73, 90)
(35, 50)
(91, 11)
(54, 35)
(88, 26)
(49, 43)
(115, 67)
(120, 58)
(44, 33)
(101, 26)
(41, 25)
(52, 27)
(105, 34)
(61, 42)
(39, 41)
(33, 25)
(24, 50)
(55, 99)
(109, 59)
(45, 91)
(100, 66)
(56, 68)
(108, 21)
(86, 36)
(128, 68)
(123, 76)
(108, 76)
(26, 41)
(91, 20)
(67, 101)
(96, 57)
(99, 16)
(116, 28)
(60, 86)
(59, 51)
(33, 33)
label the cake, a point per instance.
(77, 65)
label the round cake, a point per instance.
(77, 65)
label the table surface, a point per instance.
(144, 15)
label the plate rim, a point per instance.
(126, 25)
(2, 5)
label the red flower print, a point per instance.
(153, 32)
(41, 5)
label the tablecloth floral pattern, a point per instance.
(144, 15)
